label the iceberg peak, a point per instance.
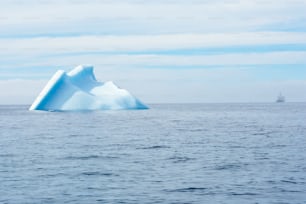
(83, 77)
(79, 90)
(83, 71)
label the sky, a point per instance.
(162, 51)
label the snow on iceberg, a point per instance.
(79, 90)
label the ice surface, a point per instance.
(79, 90)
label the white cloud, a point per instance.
(141, 17)
(19, 91)
(200, 60)
(40, 46)
(166, 61)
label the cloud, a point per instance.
(56, 45)
(200, 60)
(41, 56)
(19, 91)
(166, 61)
(141, 17)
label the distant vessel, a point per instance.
(280, 98)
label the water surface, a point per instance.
(171, 153)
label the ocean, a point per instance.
(171, 153)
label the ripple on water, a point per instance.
(155, 147)
(89, 157)
(243, 194)
(233, 166)
(188, 189)
(178, 159)
(192, 190)
(7, 155)
(96, 173)
(288, 181)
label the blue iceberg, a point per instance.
(79, 90)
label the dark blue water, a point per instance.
(179, 153)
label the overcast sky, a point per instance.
(161, 51)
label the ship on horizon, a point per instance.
(280, 99)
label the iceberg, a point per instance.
(79, 90)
